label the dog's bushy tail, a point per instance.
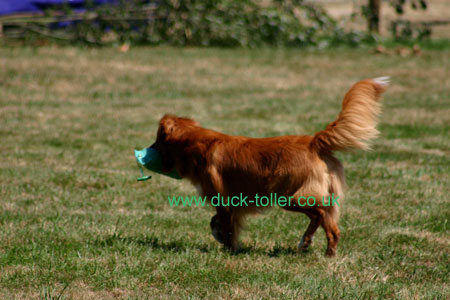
(356, 123)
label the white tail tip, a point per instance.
(383, 81)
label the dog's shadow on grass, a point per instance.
(153, 242)
(149, 242)
(276, 251)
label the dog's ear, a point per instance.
(168, 124)
(172, 127)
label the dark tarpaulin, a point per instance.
(11, 7)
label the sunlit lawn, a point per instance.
(73, 215)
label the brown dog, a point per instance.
(291, 166)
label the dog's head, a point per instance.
(172, 138)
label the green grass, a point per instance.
(72, 214)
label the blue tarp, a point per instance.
(11, 7)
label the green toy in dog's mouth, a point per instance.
(151, 159)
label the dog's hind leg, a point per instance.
(309, 233)
(332, 232)
(315, 216)
(315, 221)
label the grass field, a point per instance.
(75, 223)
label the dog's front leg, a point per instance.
(228, 230)
(216, 228)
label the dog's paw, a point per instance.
(330, 252)
(216, 229)
(303, 245)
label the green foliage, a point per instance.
(127, 21)
(223, 23)
(415, 4)
(239, 23)
(405, 29)
(401, 29)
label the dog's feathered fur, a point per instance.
(287, 165)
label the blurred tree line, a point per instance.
(224, 23)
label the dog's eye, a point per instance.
(161, 135)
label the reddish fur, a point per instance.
(286, 165)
